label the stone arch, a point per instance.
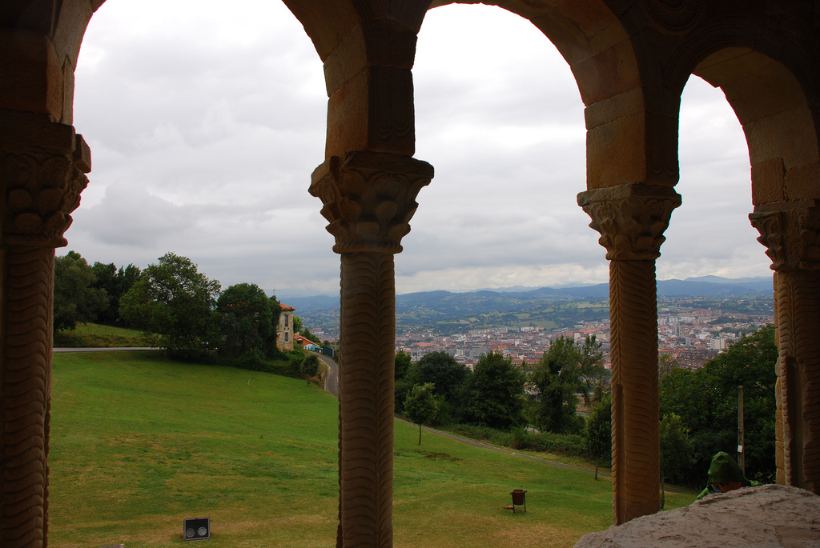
(368, 50)
(600, 54)
(630, 199)
(777, 120)
(773, 98)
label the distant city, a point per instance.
(687, 332)
(697, 319)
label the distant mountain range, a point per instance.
(703, 286)
(545, 306)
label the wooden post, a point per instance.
(741, 447)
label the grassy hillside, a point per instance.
(139, 443)
(96, 335)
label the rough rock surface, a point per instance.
(766, 516)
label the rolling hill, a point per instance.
(549, 307)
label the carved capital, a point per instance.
(631, 218)
(369, 198)
(791, 233)
(41, 179)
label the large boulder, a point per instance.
(769, 515)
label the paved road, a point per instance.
(332, 379)
(107, 349)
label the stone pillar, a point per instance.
(791, 233)
(369, 199)
(42, 172)
(631, 220)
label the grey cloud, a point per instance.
(205, 147)
(130, 216)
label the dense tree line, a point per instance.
(188, 314)
(501, 395)
(89, 293)
(698, 407)
(699, 410)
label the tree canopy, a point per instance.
(706, 400)
(599, 430)
(174, 300)
(444, 372)
(565, 369)
(422, 406)
(494, 393)
(116, 282)
(76, 299)
(245, 321)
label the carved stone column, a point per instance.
(631, 220)
(791, 233)
(369, 199)
(42, 172)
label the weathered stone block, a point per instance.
(770, 515)
(610, 161)
(30, 74)
(767, 181)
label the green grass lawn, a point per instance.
(139, 443)
(95, 335)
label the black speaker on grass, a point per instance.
(196, 529)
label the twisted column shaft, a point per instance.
(366, 398)
(368, 199)
(42, 172)
(791, 233)
(634, 356)
(631, 220)
(798, 369)
(25, 393)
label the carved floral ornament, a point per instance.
(791, 233)
(42, 173)
(631, 218)
(369, 199)
(41, 190)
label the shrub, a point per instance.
(599, 431)
(310, 366)
(522, 438)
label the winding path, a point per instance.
(332, 379)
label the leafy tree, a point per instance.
(402, 379)
(402, 365)
(116, 282)
(306, 333)
(75, 297)
(495, 392)
(556, 379)
(245, 322)
(447, 376)
(443, 371)
(422, 406)
(599, 430)
(173, 299)
(706, 401)
(676, 449)
(593, 377)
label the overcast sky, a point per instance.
(206, 122)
